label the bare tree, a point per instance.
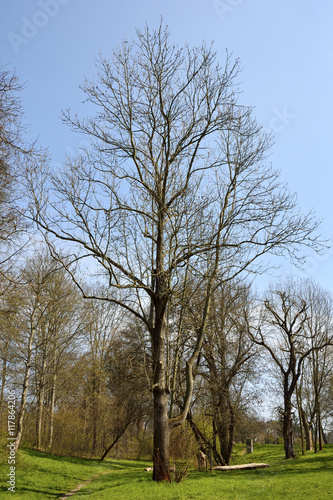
(48, 318)
(60, 329)
(175, 177)
(230, 360)
(127, 377)
(283, 333)
(104, 322)
(319, 365)
(10, 304)
(225, 368)
(16, 152)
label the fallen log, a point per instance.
(241, 467)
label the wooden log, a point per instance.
(240, 467)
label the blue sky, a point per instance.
(285, 49)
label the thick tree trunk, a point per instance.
(288, 429)
(222, 432)
(226, 434)
(161, 436)
(231, 432)
(161, 470)
(225, 426)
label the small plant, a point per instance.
(180, 470)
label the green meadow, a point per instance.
(44, 476)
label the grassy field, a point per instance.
(42, 476)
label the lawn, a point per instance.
(43, 476)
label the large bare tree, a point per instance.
(175, 178)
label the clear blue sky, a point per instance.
(285, 49)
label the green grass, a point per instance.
(46, 476)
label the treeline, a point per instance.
(82, 374)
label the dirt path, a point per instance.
(82, 485)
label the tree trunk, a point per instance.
(324, 436)
(95, 410)
(53, 396)
(299, 407)
(203, 441)
(40, 404)
(231, 432)
(161, 436)
(307, 432)
(20, 422)
(320, 436)
(288, 429)
(225, 426)
(3, 374)
(114, 442)
(161, 470)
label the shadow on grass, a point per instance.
(114, 463)
(61, 458)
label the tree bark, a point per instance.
(95, 410)
(320, 436)
(288, 429)
(115, 441)
(307, 432)
(40, 403)
(53, 396)
(20, 422)
(3, 374)
(299, 407)
(203, 441)
(161, 470)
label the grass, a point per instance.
(42, 476)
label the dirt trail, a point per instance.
(82, 485)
